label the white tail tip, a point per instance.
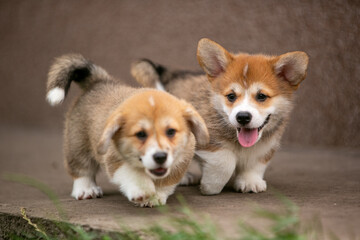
(159, 86)
(55, 96)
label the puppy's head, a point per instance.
(151, 129)
(252, 91)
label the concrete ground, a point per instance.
(324, 183)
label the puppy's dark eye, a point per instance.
(260, 97)
(141, 135)
(170, 132)
(231, 97)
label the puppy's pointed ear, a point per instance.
(112, 126)
(212, 57)
(196, 124)
(292, 67)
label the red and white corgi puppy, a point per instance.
(144, 138)
(245, 101)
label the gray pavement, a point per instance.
(324, 183)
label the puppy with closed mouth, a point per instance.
(245, 101)
(144, 138)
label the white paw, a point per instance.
(210, 189)
(146, 200)
(190, 179)
(163, 196)
(252, 183)
(85, 188)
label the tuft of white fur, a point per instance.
(152, 101)
(245, 70)
(159, 86)
(55, 96)
(85, 188)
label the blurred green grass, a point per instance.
(283, 224)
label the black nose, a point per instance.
(160, 157)
(243, 117)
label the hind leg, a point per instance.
(85, 187)
(80, 164)
(83, 170)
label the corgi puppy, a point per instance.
(245, 101)
(144, 138)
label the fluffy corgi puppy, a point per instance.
(245, 101)
(144, 138)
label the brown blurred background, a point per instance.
(114, 33)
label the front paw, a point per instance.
(253, 184)
(146, 200)
(210, 189)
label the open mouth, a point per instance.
(247, 137)
(159, 172)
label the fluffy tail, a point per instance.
(68, 68)
(149, 74)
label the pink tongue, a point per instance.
(247, 137)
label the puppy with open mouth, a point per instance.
(144, 138)
(245, 101)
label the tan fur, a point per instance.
(268, 156)
(277, 76)
(101, 125)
